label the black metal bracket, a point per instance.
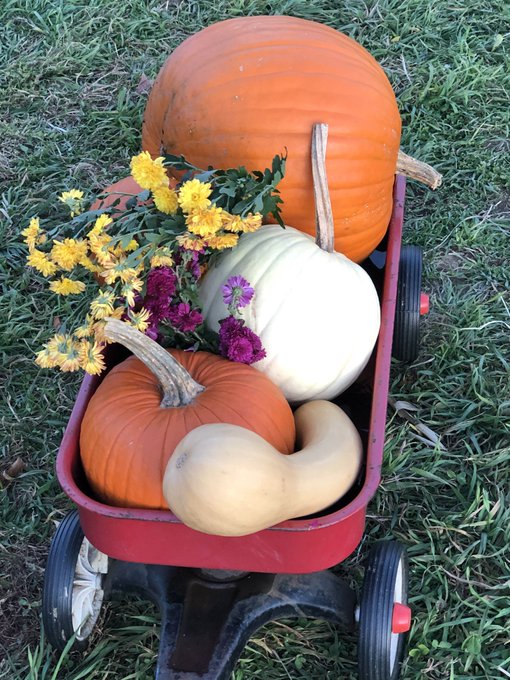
(207, 617)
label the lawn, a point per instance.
(72, 95)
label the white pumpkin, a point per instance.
(316, 313)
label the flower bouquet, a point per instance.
(144, 257)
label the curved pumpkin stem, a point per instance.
(418, 170)
(325, 227)
(177, 385)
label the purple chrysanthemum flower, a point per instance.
(161, 283)
(237, 292)
(190, 259)
(183, 318)
(153, 332)
(239, 343)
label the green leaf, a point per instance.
(125, 241)
(179, 163)
(473, 644)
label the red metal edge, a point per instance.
(295, 546)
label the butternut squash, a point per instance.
(226, 480)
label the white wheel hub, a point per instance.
(398, 594)
(87, 595)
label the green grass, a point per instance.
(69, 70)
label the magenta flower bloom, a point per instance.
(152, 332)
(239, 343)
(191, 259)
(237, 292)
(183, 318)
(161, 283)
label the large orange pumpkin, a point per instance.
(243, 90)
(143, 408)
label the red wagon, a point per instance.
(214, 591)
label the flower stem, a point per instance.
(177, 385)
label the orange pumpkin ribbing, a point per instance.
(243, 90)
(127, 438)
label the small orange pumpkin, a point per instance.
(242, 90)
(122, 190)
(146, 405)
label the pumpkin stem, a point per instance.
(324, 225)
(177, 385)
(418, 170)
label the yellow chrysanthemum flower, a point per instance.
(190, 242)
(65, 286)
(148, 173)
(223, 241)
(205, 222)
(117, 313)
(252, 222)
(69, 252)
(85, 330)
(99, 326)
(119, 251)
(71, 359)
(102, 305)
(194, 195)
(162, 258)
(112, 270)
(74, 201)
(118, 270)
(32, 233)
(45, 359)
(165, 199)
(62, 350)
(99, 246)
(91, 357)
(40, 261)
(90, 265)
(98, 333)
(140, 320)
(100, 224)
(58, 344)
(233, 223)
(129, 290)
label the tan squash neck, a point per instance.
(177, 385)
(324, 225)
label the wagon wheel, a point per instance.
(406, 332)
(384, 617)
(72, 591)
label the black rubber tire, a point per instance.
(58, 583)
(376, 611)
(406, 331)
